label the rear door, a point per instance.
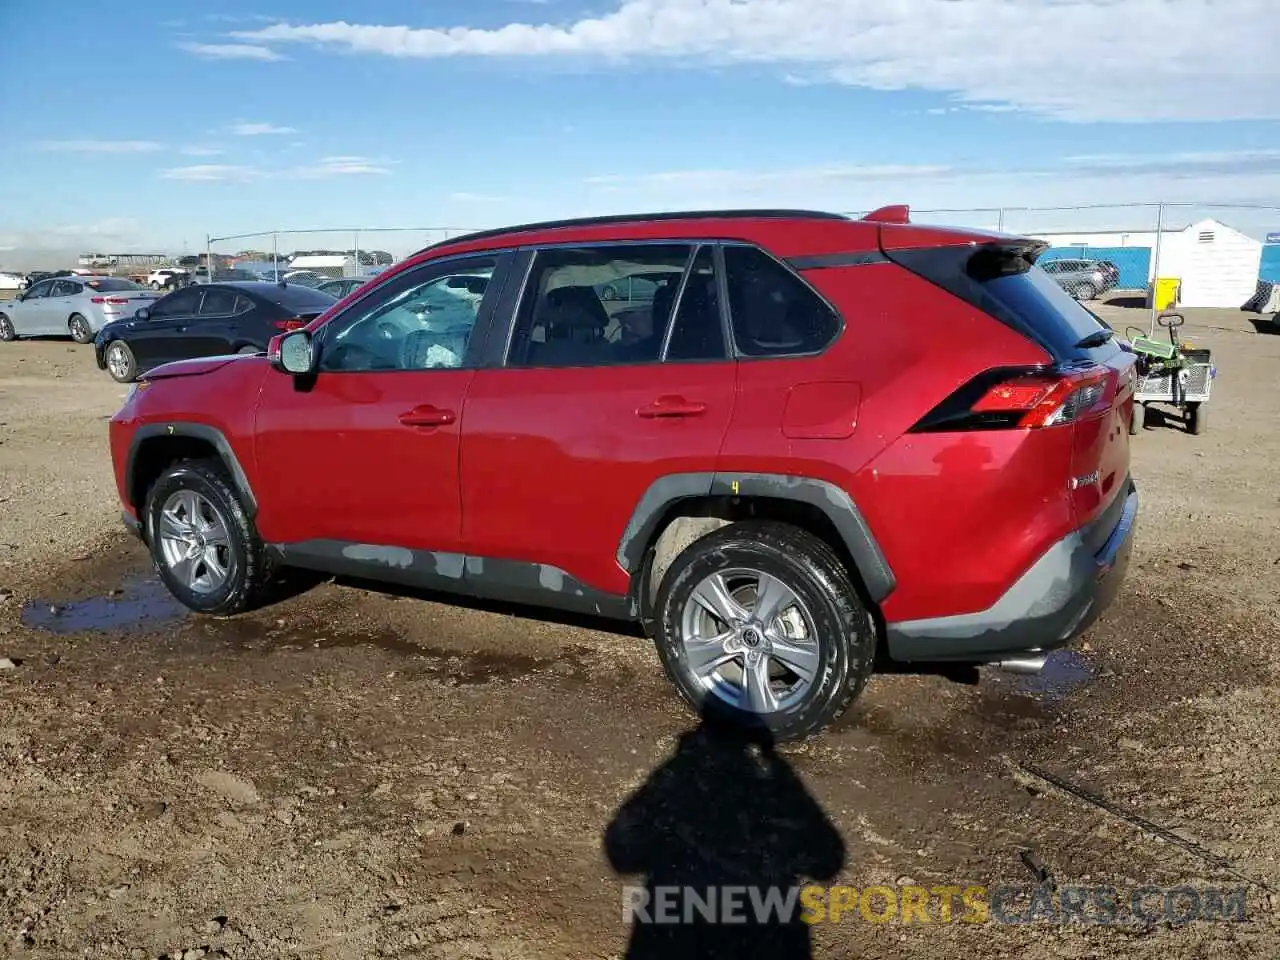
(61, 305)
(212, 331)
(580, 414)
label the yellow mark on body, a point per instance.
(734, 487)
(171, 428)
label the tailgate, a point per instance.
(1100, 450)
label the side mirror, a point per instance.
(142, 313)
(1171, 320)
(293, 353)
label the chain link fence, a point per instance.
(1158, 255)
(326, 252)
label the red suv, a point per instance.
(782, 441)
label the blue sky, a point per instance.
(152, 127)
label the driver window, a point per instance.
(39, 291)
(421, 321)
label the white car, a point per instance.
(11, 281)
(157, 278)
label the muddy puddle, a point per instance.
(139, 604)
(1064, 672)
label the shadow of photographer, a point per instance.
(724, 834)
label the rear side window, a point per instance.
(774, 312)
(218, 303)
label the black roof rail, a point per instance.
(745, 214)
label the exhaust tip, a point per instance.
(1023, 664)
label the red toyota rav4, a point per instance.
(779, 440)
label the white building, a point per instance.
(1216, 264)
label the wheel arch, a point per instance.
(681, 507)
(155, 446)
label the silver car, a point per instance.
(71, 306)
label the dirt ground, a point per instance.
(349, 774)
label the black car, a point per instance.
(206, 320)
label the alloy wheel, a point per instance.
(749, 640)
(117, 362)
(194, 541)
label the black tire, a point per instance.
(249, 569)
(129, 372)
(7, 333)
(1197, 419)
(811, 569)
(79, 329)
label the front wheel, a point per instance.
(204, 545)
(121, 363)
(7, 333)
(79, 329)
(1086, 291)
(759, 626)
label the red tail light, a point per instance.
(1024, 399)
(296, 323)
(117, 301)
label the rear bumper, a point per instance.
(1055, 601)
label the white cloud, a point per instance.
(464, 196)
(1074, 60)
(338, 167)
(99, 146)
(322, 169)
(750, 181)
(210, 172)
(231, 51)
(242, 129)
(196, 150)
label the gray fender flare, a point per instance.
(834, 503)
(197, 431)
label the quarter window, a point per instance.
(422, 320)
(774, 312)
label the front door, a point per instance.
(159, 337)
(599, 398)
(358, 464)
(30, 315)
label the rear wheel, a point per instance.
(1197, 419)
(248, 350)
(759, 626)
(202, 540)
(121, 363)
(7, 333)
(79, 329)
(1086, 291)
